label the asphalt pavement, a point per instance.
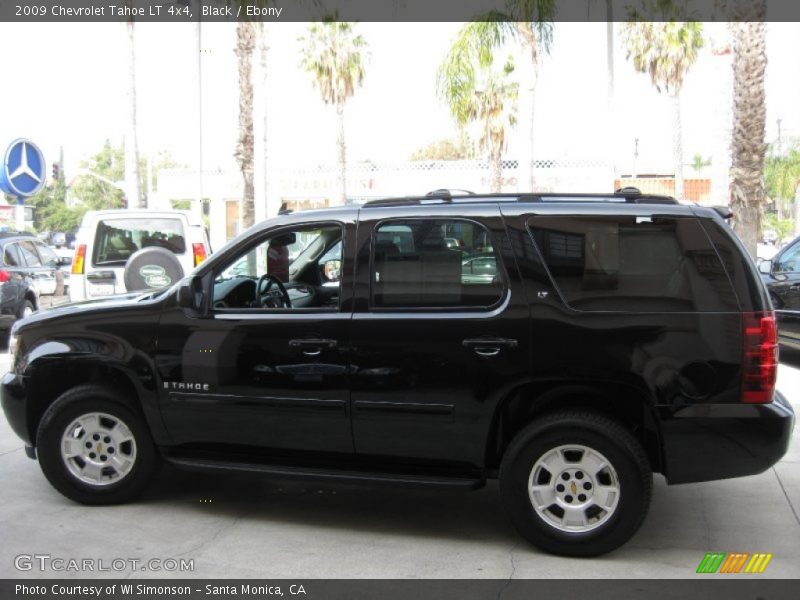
(231, 526)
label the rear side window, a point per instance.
(11, 256)
(434, 263)
(117, 239)
(29, 255)
(633, 264)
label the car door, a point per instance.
(434, 349)
(41, 277)
(253, 372)
(47, 279)
(784, 287)
(13, 282)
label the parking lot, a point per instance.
(245, 527)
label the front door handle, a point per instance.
(312, 346)
(489, 346)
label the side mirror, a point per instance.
(765, 266)
(186, 295)
(64, 261)
(332, 270)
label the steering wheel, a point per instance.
(269, 299)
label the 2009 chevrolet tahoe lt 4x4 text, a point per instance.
(569, 345)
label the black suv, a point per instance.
(601, 339)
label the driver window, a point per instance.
(291, 269)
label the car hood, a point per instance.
(82, 307)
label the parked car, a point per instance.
(117, 251)
(27, 270)
(621, 335)
(782, 278)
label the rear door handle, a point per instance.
(489, 346)
(312, 346)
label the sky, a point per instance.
(69, 91)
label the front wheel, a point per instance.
(576, 483)
(93, 448)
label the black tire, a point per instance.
(27, 304)
(600, 434)
(164, 268)
(62, 413)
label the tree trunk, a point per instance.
(677, 145)
(260, 109)
(133, 192)
(749, 121)
(496, 170)
(245, 44)
(528, 35)
(263, 50)
(342, 154)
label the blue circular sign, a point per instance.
(23, 169)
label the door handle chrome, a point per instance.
(488, 352)
(312, 346)
(489, 347)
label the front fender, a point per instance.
(47, 369)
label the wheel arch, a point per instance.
(31, 297)
(532, 400)
(49, 379)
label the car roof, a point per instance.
(139, 213)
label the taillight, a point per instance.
(760, 366)
(199, 253)
(78, 259)
(4, 276)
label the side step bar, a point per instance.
(216, 466)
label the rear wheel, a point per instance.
(576, 483)
(95, 449)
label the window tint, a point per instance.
(117, 239)
(790, 261)
(29, 256)
(434, 263)
(633, 264)
(11, 256)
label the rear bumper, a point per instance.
(719, 441)
(14, 402)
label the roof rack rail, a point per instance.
(447, 192)
(624, 195)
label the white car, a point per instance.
(119, 251)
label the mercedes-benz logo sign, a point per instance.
(23, 171)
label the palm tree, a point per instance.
(529, 22)
(748, 147)
(335, 56)
(245, 44)
(482, 96)
(666, 51)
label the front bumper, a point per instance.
(719, 441)
(14, 401)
